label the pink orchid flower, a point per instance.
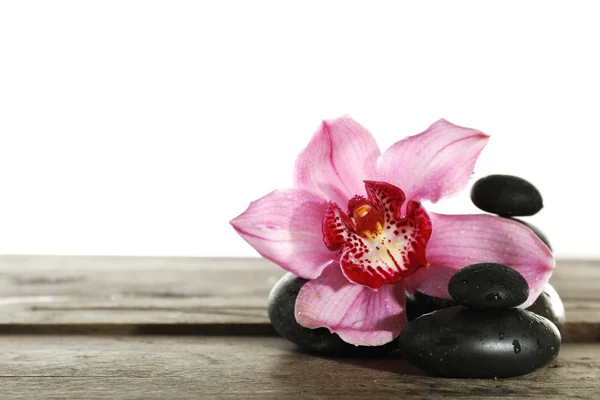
(360, 262)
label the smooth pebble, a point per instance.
(461, 342)
(506, 195)
(488, 285)
(549, 305)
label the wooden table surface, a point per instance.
(143, 328)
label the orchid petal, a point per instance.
(359, 315)
(285, 227)
(435, 163)
(340, 155)
(461, 240)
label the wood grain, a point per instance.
(47, 294)
(156, 367)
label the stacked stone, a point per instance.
(480, 333)
(548, 305)
(484, 336)
(508, 197)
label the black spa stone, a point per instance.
(537, 231)
(488, 285)
(282, 301)
(549, 305)
(463, 342)
(419, 303)
(506, 195)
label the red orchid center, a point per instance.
(377, 244)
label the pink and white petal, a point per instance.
(435, 163)
(461, 240)
(359, 315)
(285, 227)
(340, 155)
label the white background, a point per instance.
(142, 127)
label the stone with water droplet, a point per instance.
(488, 285)
(282, 301)
(463, 342)
(549, 305)
(516, 346)
(506, 195)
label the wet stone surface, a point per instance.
(282, 301)
(488, 285)
(506, 195)
(549, 305)
(419, 303)
(461, 342)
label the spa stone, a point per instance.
(488, 285)
(506, 195)
(462, 342)
(549, 305)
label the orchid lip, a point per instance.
(378, 246)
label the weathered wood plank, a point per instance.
(120, 290)
(136, 367)
(186, 295)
